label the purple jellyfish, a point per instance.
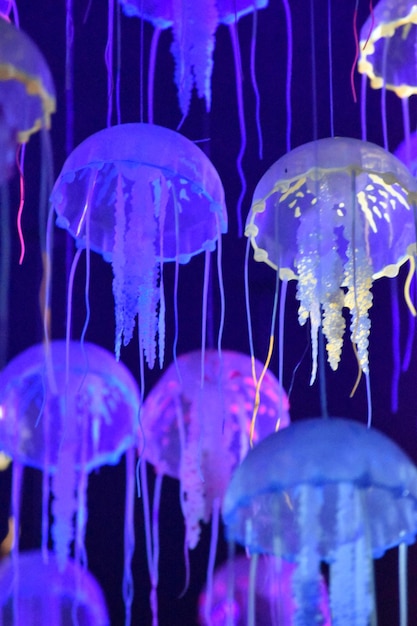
(327, 490)
(65, 412)
(34, 590)
(273, 602)
(27, 101)
(27, 94)
(148, 184)
(387, 47)
(195, 424)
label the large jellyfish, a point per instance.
(65, 413)
(196, 430)
(335, 215)
(273, 602)
(33, 590)
(327, 490)
(141, 184)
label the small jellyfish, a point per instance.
(27, 94)
(27, 102)
(66, 413)
(196, 429)
(335, 215)
(388, 57)
(328, 490)
(273, 600)
(141, 195)
(387, 47)
(33, 590)
(194, 25)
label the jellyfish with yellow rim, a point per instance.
(27, 102)
(27, 94)
(388, 56)
(335, 215)
(387, 47)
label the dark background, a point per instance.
(45, 22)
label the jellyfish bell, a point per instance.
(274, 602)
(93, 408)
(327, 490)
(140, 182)
(33, 590)
(224, 399)
(335, 215)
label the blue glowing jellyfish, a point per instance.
(33, 590)
(273, 602)
(195, 423)
(335, 215)
(140, 195)
(66, 412)
(327, 490)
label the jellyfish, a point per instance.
(194, 26)
(34, 590)
(141, 183)
(27, 94)
(326, 490)
(335, 215)
(197, 431)
(387, 55)
(273, 599)
(67, 413)
(27, 102)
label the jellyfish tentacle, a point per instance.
(194, 27)
(307, 263)
(118, 265)
(306, 578)
(64, 484)
(358, 299)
